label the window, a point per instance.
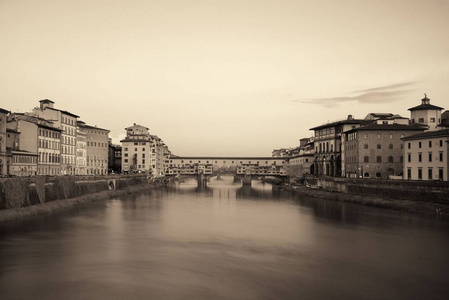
(430, 156)
(391, 136)
(378, 136)
(419, 157)
(126, 154)
(421, 120)
(390, 146)
(365, 136)
(366, 175)
(441, 143)
(126, 149)
(432, 120)
(390, 159)
(378, 175)
(366, 159)
(441, 156)
(419, 173)
(379, 159)
(430, 144)
(430, 173)
(440, 173)
(409, 145)
(409, 173)
(419, 145)
(126, 160)
(365, 146)
(401, 159)
(379, 146)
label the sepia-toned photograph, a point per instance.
(224, 149)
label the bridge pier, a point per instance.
(202, 180)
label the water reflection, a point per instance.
(224, 241)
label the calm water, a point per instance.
(225, 242)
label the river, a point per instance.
(225, 242)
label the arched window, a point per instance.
(390, 146)
(366, 175)
(390, 159)
(365, 146)
(366, 159)
(379, 159)
(378, 175)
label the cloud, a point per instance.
(383, 94)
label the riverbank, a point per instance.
(12, 214)
(412, 206)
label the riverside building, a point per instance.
(329, 146)
(96, 149)
(5, 159)
(67, 122)
(376, 150)
(427, 156)
(136, 153)
(426, 114)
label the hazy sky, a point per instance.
(223, 78)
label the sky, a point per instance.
(223, 78)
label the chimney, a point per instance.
(350, 117)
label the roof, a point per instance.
(353, 121)
(134, 140)
(49, 127)
(63, 111)
(377, 127)
(426, 107)
(428, 134)
(46, 101)
(23, 152)
(225, 158)
(4, 111)
(92, 127)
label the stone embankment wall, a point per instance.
(22, 192)
(423, 191)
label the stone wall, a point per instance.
(427, 191)
(22, 192)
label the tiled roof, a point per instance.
(426, 107)
(428, 134)
(389, 127)
(4, 111)
(63, 111)
(91, 127)
(353, 121)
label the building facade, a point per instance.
(426, 114)
(5, 159)
(96, 149)
(376, 150)
(114, 158)
(67, 122)
(329, 146)
(427, 155)
(136, 153)
(302, 162)
(81, 150)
